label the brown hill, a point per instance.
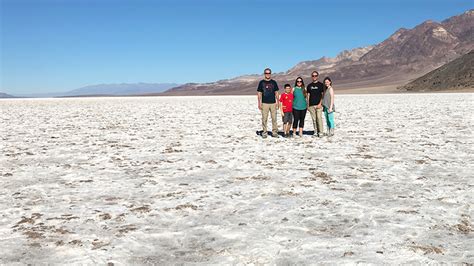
(405, 55)
(457, 74)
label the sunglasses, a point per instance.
(267, 73)
(314, 75)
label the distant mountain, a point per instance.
(405, 55)
(457, 74)
(4, 95)
(39, 95)
(121, 89)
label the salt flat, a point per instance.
(186, 179)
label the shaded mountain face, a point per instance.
(457, 74)
(406, 54)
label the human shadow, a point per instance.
(305, 132)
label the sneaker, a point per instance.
(264, 136)
(275, 136)
(330, 132)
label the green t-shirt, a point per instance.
(299, 101)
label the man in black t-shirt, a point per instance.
(315, 90)
(268, 101)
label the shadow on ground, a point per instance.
(305, 132)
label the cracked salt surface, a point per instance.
(186, 179)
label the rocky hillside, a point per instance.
(457, 74)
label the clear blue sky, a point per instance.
(59, 45)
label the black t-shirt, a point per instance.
(315, 90)
(268, 88)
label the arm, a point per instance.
(307, 98)
(308, 94)
(320, 104)
(281, 109)
(277, 95)
(322, 97)
(259, 95)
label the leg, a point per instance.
(284, 123)
(326, 118)
(265, 109)
(295, 120)
(302, 118)
(325, 110)
(312, 111)
(319, 120)
(290, 121)
(273, 113)
(331, 122)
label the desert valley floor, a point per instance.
(187, 179)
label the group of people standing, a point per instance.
(317, 98)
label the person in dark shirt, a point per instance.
(315, 90)
(267, 92)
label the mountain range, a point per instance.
(405, 55)
(121, 89)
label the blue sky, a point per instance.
(60, 45)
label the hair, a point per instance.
(267, 69)
(327, 78)
(287, 86)
(305, 93)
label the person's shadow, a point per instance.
(305, 132)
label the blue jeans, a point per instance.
(329, 118)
